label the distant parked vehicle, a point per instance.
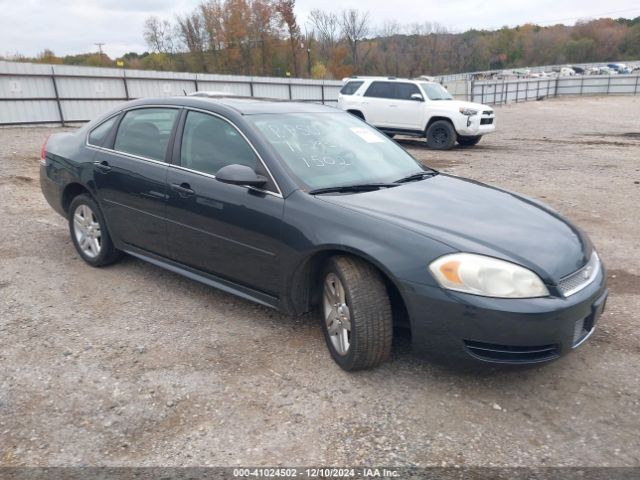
(417, 108)
(567, 72)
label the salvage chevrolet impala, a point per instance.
(299, 206)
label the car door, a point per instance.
(227, 230)
(130, 177)
(406, 112)
(376, 103)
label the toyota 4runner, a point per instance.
(416, 108)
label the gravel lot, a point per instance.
(134, 365)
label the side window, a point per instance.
(210, 143)
(380, 90)
(145, 132)
(405, 90)
(99, 135)
(350, 88)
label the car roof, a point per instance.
(241, 105)
(387, 79)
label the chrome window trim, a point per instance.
(179, 167)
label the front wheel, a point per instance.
(441, 135)
(357, 321)
(470, 141)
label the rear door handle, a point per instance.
(103, 166)
(184, 189)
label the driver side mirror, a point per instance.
(417, 97)
(240, 175)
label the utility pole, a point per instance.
(99, 48)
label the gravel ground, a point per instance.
(133, 365)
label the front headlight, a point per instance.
(487, 276)
(468, 111)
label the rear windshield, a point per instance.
(350, 88)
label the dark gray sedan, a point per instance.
(299, 206)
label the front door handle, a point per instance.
(184, 189)
(103, 166)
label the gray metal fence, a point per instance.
(60, 94)
(498, 92)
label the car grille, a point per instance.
(580, 279)
(511, 353)
(486, 121)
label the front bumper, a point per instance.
(475, 125)
(516, 331)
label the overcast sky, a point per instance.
(74, 26)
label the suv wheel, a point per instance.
(468, 141)
(89, 232)
(356, 313)
(441, 135)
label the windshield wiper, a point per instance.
(363, 187)
(417, 176)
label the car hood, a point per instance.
(473, 217)
(457, 104)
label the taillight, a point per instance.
(43, 151)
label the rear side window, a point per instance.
(99, 135)
(209, 143)
(145, 132)
(351, 87)
(380, 90)
(405, 90)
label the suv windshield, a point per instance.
(334, 149)
(435, 91)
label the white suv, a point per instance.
(418, 108)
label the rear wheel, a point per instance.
(89, 232)
(357, 320)
(441, 135)
(465, 141)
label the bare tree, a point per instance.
(327, 27)
(192, 32)
(159, 35)
(355, 28)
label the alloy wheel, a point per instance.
(337, 315)
(86, 229)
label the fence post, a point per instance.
(482, 94)
(124, 82)
(322, 91)
(251, 87)
(470, 95)
(555, 93)
(635, 89)
(608, 84)
(581, 84)
(538, 89)
(517, 90)
(290, 94)
(195, 82)
(55, 90)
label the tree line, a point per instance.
(265, 37)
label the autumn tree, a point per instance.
(285, 9)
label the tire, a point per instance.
(441, 135)
(356, 313)
(89, 232)
(468, 141)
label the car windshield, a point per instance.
(435, 91)
(325, 150)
